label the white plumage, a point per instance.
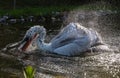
(72, 39)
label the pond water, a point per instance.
(96, 65)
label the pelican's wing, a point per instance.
(74, 47)
(74, 39)
(69, 34)
(66, 34)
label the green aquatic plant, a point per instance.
(29, 72)
(36, 11)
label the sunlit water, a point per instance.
(92, 65)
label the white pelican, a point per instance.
(72, 40)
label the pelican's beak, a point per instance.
(26, 42)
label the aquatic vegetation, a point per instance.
(37, 10)
(29, 72)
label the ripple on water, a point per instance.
(104, 65)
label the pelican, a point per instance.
(71, 40)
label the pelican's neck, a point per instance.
(41, 44)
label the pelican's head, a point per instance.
(32, 34)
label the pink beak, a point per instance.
(27, 43)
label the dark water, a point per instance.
(10, 67)
(102, 65)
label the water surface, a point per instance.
(96, 65)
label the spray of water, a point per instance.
(98, 66)
(104, 22)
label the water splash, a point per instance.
(104, 22)
(104, 65)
